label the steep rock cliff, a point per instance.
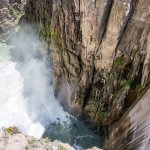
(100, 51)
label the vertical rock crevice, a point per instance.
(99, 48)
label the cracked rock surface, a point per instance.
(100, 51)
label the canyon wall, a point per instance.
(100, 51)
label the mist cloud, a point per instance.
(35, 106)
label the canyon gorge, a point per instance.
(99, 54)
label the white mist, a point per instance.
(26, 92)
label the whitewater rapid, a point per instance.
(27, 98)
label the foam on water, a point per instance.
(26, 92)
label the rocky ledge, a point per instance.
(12, 139)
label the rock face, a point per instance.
(10, 13)
(132, 131)
(10, 140)
(100, 51)
(4, 16)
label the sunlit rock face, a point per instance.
(100, 51)
(10, 13)
(4, 15)
(12, 139)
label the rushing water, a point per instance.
(27, 98)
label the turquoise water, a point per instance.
(76, 134)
